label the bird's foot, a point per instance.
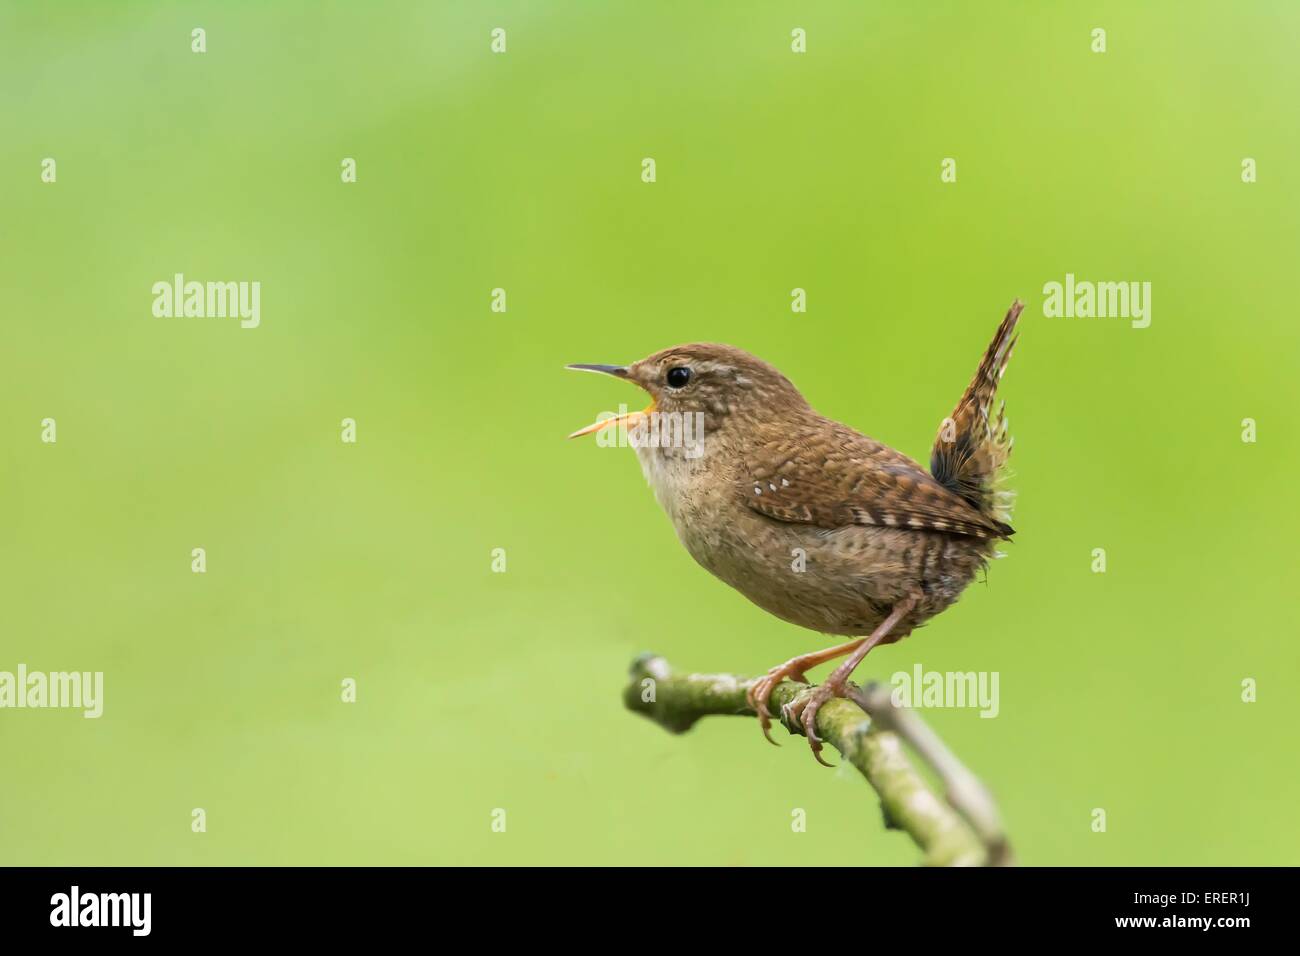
(802, 711)
(761, 691)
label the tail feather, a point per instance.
(970, 454)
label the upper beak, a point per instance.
(628, 420)
(618, 371)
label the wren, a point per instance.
(884, 544)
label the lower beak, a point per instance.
(629, 420)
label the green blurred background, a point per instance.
(479, 690)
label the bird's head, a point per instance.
(720, 382)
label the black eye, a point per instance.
(678, 376)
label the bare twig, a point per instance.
(963, 790)
(964, 831)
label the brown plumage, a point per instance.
(811, 520)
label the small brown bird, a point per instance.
(809, 519)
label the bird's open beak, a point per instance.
(628, 420)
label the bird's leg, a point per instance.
(794, 669)
(836, 685)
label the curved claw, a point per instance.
(817, 754)
(808, 718)
(757, 697)
(765, 722)
(810, 730)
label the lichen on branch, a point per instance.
(962, 830)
